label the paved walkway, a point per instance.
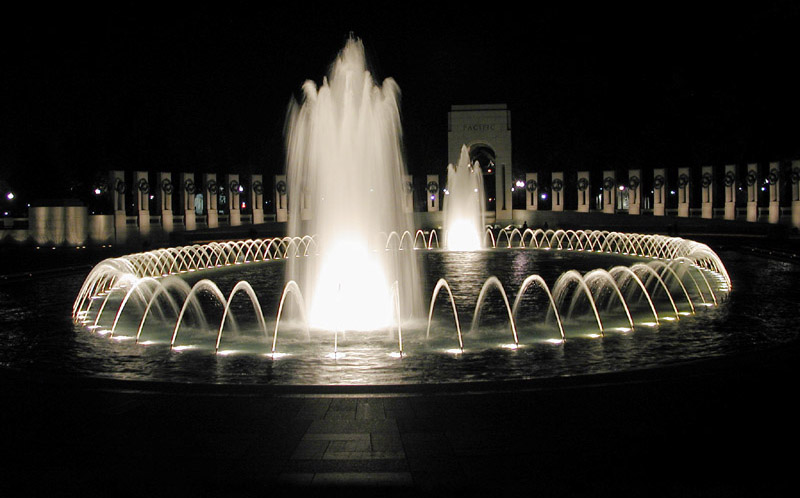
(713, 428)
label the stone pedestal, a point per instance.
(609, 192)
(707, 192)
(531, 191)
(142, 189)
(432, 193)
(774, 188)
(212, 200)
(118, 187)
(166, 190)
(281, 199)
(684, 191)
(634, 191)
(659, 192)
(584, 192)
(557, 191)
(188, 191)
(729, 184)
(751, 184)
(234, 203)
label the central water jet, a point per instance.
(346, 175)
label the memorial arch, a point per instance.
(486, 130)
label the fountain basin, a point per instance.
(488, 353)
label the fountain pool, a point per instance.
(39, 333)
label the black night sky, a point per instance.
(140, 87)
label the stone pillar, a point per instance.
(281, 199)
(116, 179)
(795, 178)
(684, 189)
(609, 192)
(188, 191)
(557, 188)
(432, 193)
(257, 198)
(234, 199)
(730, 192)
(584, 192)
(532, 191)
(707, 192)
(142, 190)
(659, 192)
(751, 180)
(774, 187)
(634, 191)
(212, 199)
(503, 184)
(408, 194)
(165, 192)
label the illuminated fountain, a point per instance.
(347, 270)
(463, 207)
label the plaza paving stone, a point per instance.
(706, 428)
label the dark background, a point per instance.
(138, 86)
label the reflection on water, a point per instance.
(37, 331)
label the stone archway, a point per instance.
(486, 130)
(484, 154)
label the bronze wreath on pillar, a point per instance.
(730, 179)
(212, 186)
(773, 176)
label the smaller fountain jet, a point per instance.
(463, 208)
